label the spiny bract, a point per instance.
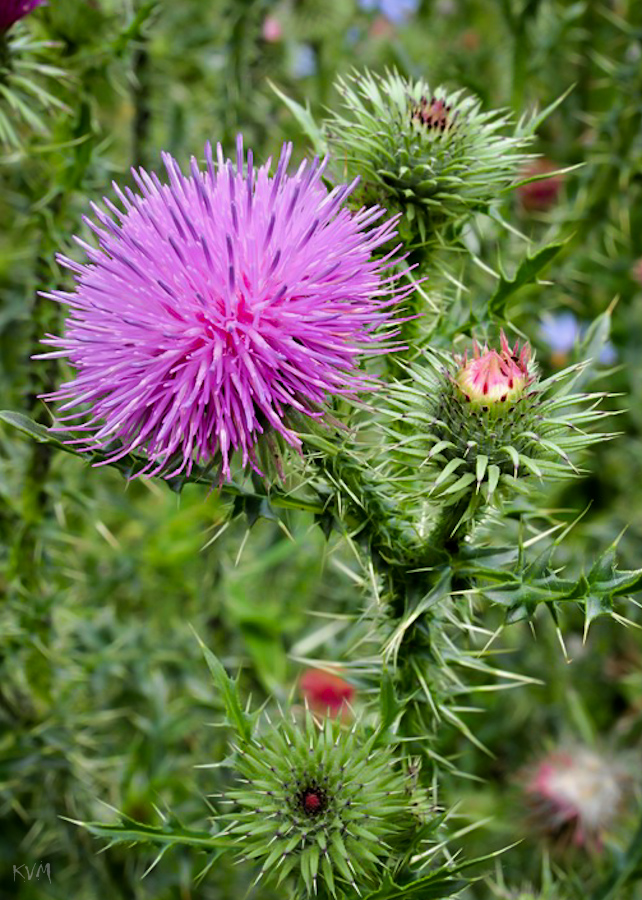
(319, 802)
(432, 155)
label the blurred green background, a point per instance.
(104, 697)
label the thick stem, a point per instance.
(449, 530)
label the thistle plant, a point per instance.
(261, 332)
(431, 154)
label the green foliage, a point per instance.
(527, 272)
(26, 99)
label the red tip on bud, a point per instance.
(311, 801)
(495, 376)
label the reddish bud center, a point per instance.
(311, 801)
(433, 114)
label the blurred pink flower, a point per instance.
(326, 694)
(542, 194)
(272, 30)
(575, 794)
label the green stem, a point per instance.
(449, 530)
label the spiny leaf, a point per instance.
(248, 502)
(129, 831)
(229, 691)
(526, 273)
(434, 886)
(304, 117)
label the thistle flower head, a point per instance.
(326, 694)
(218, 307)
(466, 427)
(430, 154)
(11, 11)
(318, 803)
(575, 795)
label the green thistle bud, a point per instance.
(476, 426)
(317, 803)
(431, 155)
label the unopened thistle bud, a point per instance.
(430, 154)
(475, 424)
(317, 803)
(574, 795)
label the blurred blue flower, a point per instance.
(561, 331)
(395, 10)
(608, 355)
(353, 34)
(304, 62)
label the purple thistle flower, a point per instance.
(13, 10)
(216, 305)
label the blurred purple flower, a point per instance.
(13, 10)
(562, 331)
(395, 10)
(218, 304)
(608, 354)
